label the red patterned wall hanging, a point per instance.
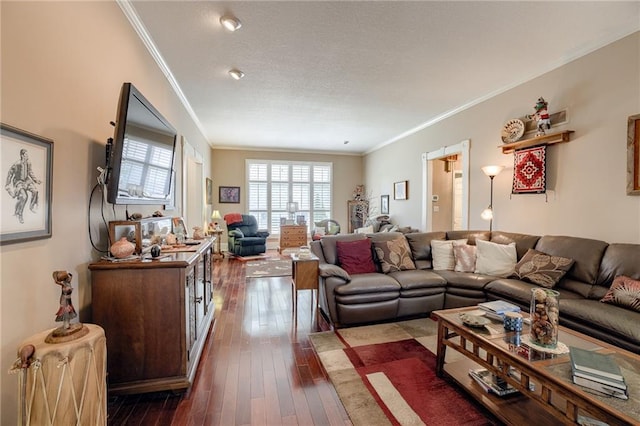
(530, 171)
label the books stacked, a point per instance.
(497, 308)
(598, 372)
(491, 383)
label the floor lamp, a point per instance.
(487, 214)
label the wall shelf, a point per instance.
(551, 139)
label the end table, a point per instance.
(304, 276)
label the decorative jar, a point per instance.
(122, 248)
(198, 233)
(545, 317)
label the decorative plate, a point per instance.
(512, 131)
(475, 321)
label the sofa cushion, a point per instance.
(519, 292)
(418, 278)
(495, 259)
(465, 257)
(328, 244)
(523, 241)
(394, 255)
(541, 268)
(624, 292)
(465, 279)
(442, 254)
(420, 243)
(355, 256)
(470, 236)
(610, 319)
(619, 259)
(587, 254)
(379, 286)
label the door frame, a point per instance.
(462, 149)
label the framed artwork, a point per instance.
(384, 204)
(209, 191)
(401, 190)
(358, 214)
(633, 155)
(229, 194)
(26, 166)
(178, 222)
(129, 229)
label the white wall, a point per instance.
(586, 177)
(63, 64)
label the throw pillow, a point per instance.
(365, 230)
(624, 292)
(494, 259)
(355, 256)
(465, 256)
(394, 255)
(442, 254)
(541, 268)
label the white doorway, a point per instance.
(459, 189)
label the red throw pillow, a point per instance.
(355, 256)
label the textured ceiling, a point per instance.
(319, 73)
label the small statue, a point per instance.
(541, 116)
(66, 312)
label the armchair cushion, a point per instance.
(236, 233)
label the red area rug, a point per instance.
(385, 374)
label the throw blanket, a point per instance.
(231, 218)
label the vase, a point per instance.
(122, 248)
(545, 317)
(198, 233)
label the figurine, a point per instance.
(66, 312)
(541, 116)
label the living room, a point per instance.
(62, 68)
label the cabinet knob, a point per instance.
(198, 299)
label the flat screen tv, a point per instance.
(141, 157)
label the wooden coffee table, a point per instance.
(554, 398)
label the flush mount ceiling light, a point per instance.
(231, 23)
(236, 74)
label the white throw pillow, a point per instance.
(494, 259)
(442, 254)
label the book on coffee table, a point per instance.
(601, 388)
(497, 308)
(594, 363)
(491, 383)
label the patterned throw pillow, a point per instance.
(394, 255)
(355, 257)
(442, 254)
(541, 268)
(465, 256)
(624, 292)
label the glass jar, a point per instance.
(545, 317)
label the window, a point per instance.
(273, 184)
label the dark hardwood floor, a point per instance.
(257, 368)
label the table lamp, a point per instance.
(215, 216)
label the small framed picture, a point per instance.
(129, 229)
(384, 204)
(209, 191)
(401, 190)
(177, 223)
(26, 166)
(229, 194)
(633, 155)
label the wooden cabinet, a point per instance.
(156, 315)
(292, 236)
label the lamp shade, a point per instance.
(216, 215)
(492, 171)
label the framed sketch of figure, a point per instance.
(26, 163)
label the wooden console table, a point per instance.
(156, 315)
(554, 398)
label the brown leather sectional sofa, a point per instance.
(373, 297)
